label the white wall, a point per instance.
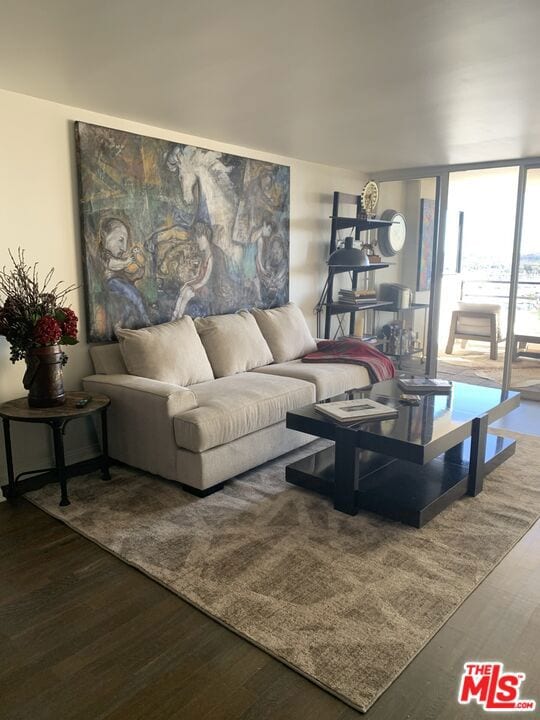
(39, 212)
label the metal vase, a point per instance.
(44, 378)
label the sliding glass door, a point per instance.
(478, 248)
(483, 316)
(525, 340)
(402, 327)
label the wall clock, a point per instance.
(392, 238)
(370, 197)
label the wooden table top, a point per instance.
(18, 409)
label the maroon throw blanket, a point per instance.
(354, 350)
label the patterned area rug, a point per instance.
(346, 601)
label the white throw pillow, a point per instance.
(171, 352)
(233, 343)
(286, 332)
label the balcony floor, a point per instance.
(473, 364)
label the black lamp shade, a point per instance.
(347, 255)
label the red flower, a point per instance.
(69, 324)
(47, 331)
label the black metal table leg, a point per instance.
(105, 474)
(475, 483)
(346, 470)
(9, 459)
(58, 437)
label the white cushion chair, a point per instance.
(476, 321)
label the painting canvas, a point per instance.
(425, 246)
(170, 229)
(453, 241)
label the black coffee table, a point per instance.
(411, 467)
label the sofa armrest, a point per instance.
(140, 419)
(176, 399)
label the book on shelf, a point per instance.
(352, 298)
(354, 411)
(424, 384)
(356, 303)
(358, 293)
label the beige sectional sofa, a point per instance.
(201, 401)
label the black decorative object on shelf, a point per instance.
(348, 256)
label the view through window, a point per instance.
(476, 282)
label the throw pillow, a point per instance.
(286, 332)
(233, 343)
(171, 352)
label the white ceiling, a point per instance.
(367, 84)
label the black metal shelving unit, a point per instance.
(359, 224)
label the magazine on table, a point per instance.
(424, 384)
(356, 410)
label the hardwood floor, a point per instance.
(84, 636)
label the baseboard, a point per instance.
(72, 456)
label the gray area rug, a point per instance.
(346, 601)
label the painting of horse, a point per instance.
(169, 229)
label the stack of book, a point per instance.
(357, 297)
(424, 384)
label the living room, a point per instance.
(218, 572)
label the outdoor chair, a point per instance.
(475, 321)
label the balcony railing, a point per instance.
(527, 301)
(464, 295)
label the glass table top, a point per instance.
(436, 416)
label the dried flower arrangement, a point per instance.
(33, 313)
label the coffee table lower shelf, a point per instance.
(398, 489)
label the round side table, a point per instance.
(56, 418)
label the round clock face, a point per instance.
(370, 196)
(392, 238)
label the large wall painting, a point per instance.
(170, 229)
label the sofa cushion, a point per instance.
(329, 378)
(234, 406)
(286, 332)
(233, 343)
(171, 352)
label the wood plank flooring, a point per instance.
(84, 636)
